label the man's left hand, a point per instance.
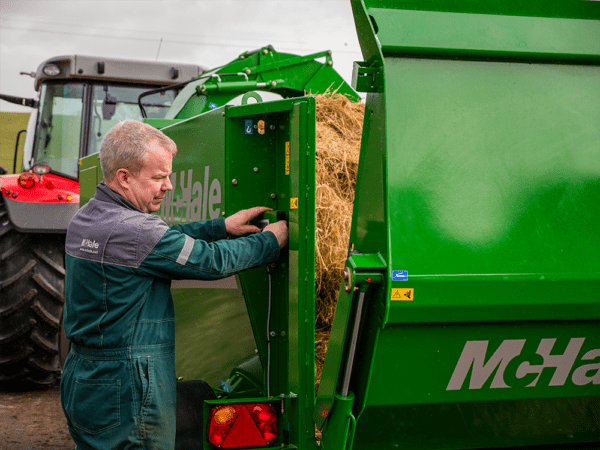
(238, 223)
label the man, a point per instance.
(118, 383)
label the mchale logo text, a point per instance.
(512, 368)
(90, 244)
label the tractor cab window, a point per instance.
(112, 104)
(57, 136)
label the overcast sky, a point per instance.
(205, 32)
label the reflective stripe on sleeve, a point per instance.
(186, 251)
(225, 283)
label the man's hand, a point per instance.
(238, 223)
(280, 230)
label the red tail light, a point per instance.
(263, 413)
(26, 180)
(242, 425)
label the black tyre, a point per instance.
(32, 273)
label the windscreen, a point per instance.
(112, 104)
(58, 128)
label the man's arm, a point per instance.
(207, 230)
(179, 256)
(215, 229)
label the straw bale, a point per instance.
(321, 341)
(338, 132)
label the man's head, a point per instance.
(136, 161)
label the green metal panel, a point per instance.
(90, 174)
(205, 321)
(494, 202)
(388, 24)
(427, 33)
(482, 145)
(536, 8)
(535, 425)
(256, 176)
(301, 357)
(198, 169)
(448, 358)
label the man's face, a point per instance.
(148, 188)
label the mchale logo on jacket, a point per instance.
(90, 245)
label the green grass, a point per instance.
(10, 125)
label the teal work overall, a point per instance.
(118, 383)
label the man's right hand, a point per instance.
(280, 230)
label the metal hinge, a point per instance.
(365, 78)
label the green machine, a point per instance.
(476, 221)
(469, 313)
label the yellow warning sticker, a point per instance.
(294, 203)
(287, 158)
(405, 295)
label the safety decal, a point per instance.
(248, 126)
(287, 158)
(399, 275)
(403, 295)
(294, 203)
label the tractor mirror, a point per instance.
(109, 106)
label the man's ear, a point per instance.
(122, 178)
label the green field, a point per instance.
(10, 125)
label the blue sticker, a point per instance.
(225, 387)
(399, 275)
(248, 126)
(212, 106)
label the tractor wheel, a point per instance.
(32, 273)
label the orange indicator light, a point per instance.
(224, 415)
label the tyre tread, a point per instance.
(47, 286)
(45, 315)
(17, 332)
(20, 304)
(43, 342)
(20, 274)
(37, 363)
(14, 248)
(31, 302)
(22, 354)
(57, 267)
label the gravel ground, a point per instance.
(33, 420)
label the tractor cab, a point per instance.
(73, 117)
(81, 98)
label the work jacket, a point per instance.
(118, 384)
